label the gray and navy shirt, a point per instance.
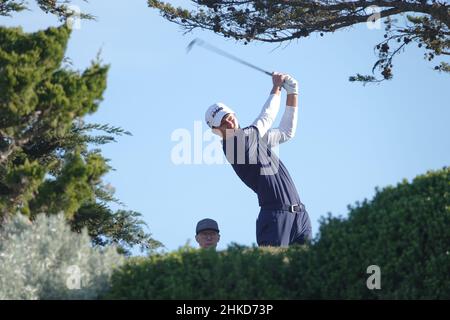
(254, 161)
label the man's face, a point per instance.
(229, 122)
(207, 238)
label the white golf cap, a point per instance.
(215, 113)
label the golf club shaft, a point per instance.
(226, 54)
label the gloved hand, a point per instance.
(290, 84)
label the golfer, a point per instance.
(283, 219)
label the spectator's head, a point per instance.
(207, 233)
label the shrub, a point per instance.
(405, 230)
(44, 260)
(237, 273)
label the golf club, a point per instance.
(205, 45)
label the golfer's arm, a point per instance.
(276, 90)
(269, 112)
(288, 123)
(292, 100)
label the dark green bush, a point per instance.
(405, 230)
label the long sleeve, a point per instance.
(288, 123)
(268, 114)
(287, 128)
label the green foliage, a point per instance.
(72, 187)
(405, 230)
(122, 228)
(39, 102)
(42, 260)
(237, 273)
(45, 161)
(61, 9)
(8, 6)
(427, 25)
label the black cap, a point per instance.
(206, 224)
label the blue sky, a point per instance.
(350, 138)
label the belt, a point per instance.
(285, 207)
